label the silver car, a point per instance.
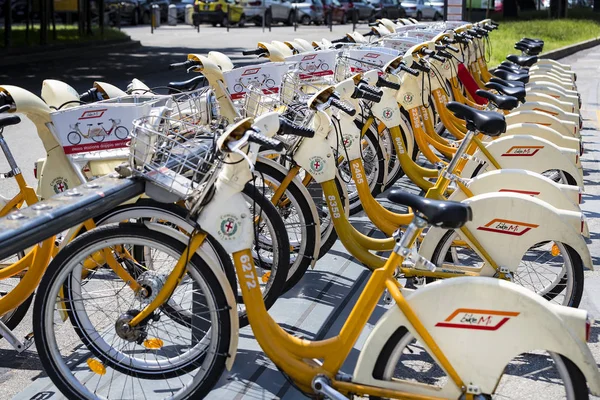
(427, 9)
(309, 11)
(274, 11)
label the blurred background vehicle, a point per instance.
(410, 6)
(135, 11)
(427, 9)
(309, 11)
(365, 9)
(220, 12)
(387, 9)
(275, 11)
(180, 5)
(335, 8)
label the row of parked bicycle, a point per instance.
(224, 198)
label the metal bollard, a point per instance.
(354, 19)
(330, 18)
(156, 11)
(189, 14)
(172, 15)
(295, 17)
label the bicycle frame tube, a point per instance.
(173, 280)
(294, 355)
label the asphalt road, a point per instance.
(320, 304)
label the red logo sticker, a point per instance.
(483, 320)
(371, 55)
(507, 227)
(89, 114)
(309, 57)
(251, 71)
(522, 151)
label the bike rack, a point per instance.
(22, 229)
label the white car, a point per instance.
(425, 9)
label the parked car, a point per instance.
(365, 9)
(410, 7)
(275, 11)
(427, 9)
(335, 8)
(181, 6)
(136, 11)
(223, 12)
(387, 9)
(309, 11)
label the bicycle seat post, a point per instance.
(460, 151)
(14, 168)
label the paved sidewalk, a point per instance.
(321, 302)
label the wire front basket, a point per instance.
(174, 154)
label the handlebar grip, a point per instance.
(186, 64)
(287, 128)
(265, 142)
(342, 40)
(370, 89)
(444, 54)
(255, 52)
(385, 83)
(89, 96)
(341, 106)
(360, 93)
(371, 33)
(416, 67)
(426, 51)
(438, 57)
(4, 108)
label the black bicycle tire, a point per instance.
(130, 230)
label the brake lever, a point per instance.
(236, 147)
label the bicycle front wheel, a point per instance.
(121, 132)
(82, 308)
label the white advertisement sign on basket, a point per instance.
(267, 76)
(100, 126)
(364, 60)
(314, 65)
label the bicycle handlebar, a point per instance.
(343, 107)
(255, 52)
(287, 128)
(186, 64)
(265, 142)
(368, 88)
(360, 93)
(4, 108)
(388, 84)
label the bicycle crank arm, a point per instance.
(321, 385)
(13, 340)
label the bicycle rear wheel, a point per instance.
(94, 356)
(405, 358)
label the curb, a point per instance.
(60, 52)
(569, 50)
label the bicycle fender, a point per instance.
(35, 109)
(550, 109)
(542, 97)
(566, 128)
(311, 203)
(467, 318)
(550, 80)
(530, 153)
(214, 265)
(564, 197)
(553, 91)
(543, 132)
